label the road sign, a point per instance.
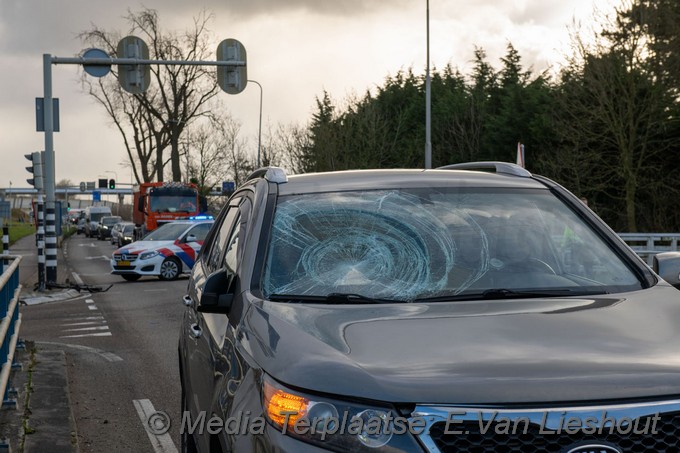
(83, 187)
(96, 70)
(232, 79)
(133, 78)
(228, 186)
(96, 196)
(40, 114)
(90, 185)
(5, 209)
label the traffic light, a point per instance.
(36, 169)
(68, 206)
(102, 183)
(112, 183)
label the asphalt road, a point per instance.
(121, 350)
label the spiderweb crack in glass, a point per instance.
(379, 244)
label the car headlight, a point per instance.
(336, 425)
(104, 227)
(147, 255)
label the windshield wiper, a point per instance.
(504, 293)
(332, 298)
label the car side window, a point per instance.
(220, 241)
(230, 258)
(235, 243)
(200, 231)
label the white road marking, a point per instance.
(85, 323)
(92, 307)
(85, 318)
(109, 356)
(100, 257)
(82, 329)
(89, 301)
(161, 443)
(97, 334)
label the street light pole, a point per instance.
(428, 120)
(259, 132)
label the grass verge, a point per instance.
(17, 231)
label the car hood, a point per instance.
(478, 352)
(143, 246)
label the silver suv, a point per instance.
(448, 310)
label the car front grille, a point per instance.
(124, 257)
(538, 431)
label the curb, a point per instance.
(31, 298)
(51, 422)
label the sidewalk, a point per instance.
(42, 420)
(28, 274)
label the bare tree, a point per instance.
(156, 119)
(290, 142)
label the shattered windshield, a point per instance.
(411, 244)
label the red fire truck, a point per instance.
(157, 203)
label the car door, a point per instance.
(205, 332)
(191, 243)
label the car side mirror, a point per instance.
(667, 265)
(190, 238)
(218, 293)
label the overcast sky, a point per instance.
(296, 49)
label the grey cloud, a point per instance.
(251, 8)
(37, 27)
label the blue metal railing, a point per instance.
(9, 324)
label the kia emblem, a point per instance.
(594, 448)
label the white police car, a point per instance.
(166, 252)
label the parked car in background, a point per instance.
(80, 223)
(114, 231)
(73, 216)
(166, 252)
(447, 310)
(122, 233)
(105, 226)
(93, 215)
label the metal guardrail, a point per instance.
(9, 325)
(646, 245)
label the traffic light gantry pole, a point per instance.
(133, 75)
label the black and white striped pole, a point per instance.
(50, 245)
(40, 236)
(37, 181)
(49, 123)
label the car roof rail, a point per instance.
(504, 168)
(271, 174)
